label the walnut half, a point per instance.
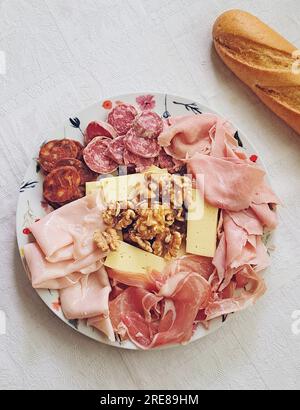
(107, 240)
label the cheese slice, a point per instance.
(119, 188)
(155, 170)
(201, 227)
(134, 260)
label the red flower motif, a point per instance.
(107, 105)
(56, 305)
(254, 158)
(146, 102)
(26, 231)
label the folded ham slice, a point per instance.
(206, 134)
(227, 185)
(88, 298)
(104, 325)
(46, 275)
(187, 135)
(240, 244)
(74, 224)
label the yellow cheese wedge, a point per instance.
(201, 227)
(118, 188)
(134, 260)
(155, 170)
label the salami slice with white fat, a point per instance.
(122, 117)
(148, 125)
(165, 161)
(140, 163)
(116, 149)
(98, 129)
(96, 156)
(144, 147)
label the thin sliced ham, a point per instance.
(227, 185)
(206, 134)
(46, 275)
(103, 324)
(64, 254)
(267, 216)
(247, 220)
(73, 223)
(238, 246)
(187, 135)
(88, 298)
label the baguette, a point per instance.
(263, 60)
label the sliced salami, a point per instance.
(148, 125)
(144, 147)
(86, 175)
(98, 129)
(55, 150)
(116, 149)
(122, 117)
(96, 156)
(62, 184)
(165, 161)
(80, 194)
(140, 163)
(80, 149)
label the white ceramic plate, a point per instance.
(31, 206)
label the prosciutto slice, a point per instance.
(227, 185)
(183, 295)
(255, 289)
(146, 280)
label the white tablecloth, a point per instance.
(64, 55)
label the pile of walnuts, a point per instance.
(154, 218)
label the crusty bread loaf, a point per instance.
(262, 59)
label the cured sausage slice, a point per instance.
(144, 147)
(122, 118)
(148, 125)
(140, 163)
(96, 156)
(98, 129)
(116, 149)
(80, 194)
(165, 161)
(86, 174)
(62, 184)
(55, 150)
(80, 149)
